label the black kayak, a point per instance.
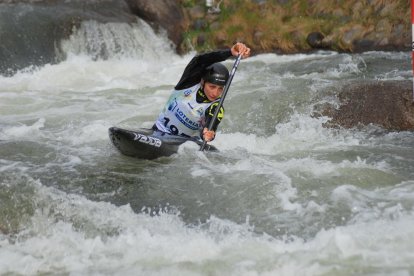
(149, 144)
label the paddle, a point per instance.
(223, 96)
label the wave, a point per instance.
(38, 34)
(118, 40)
(101, 238)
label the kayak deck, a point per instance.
(147, 143)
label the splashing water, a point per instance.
(283, 196)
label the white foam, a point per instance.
(367, 205)
(80, 73)
(118, 40)
(100, 238)
(301, 133)
(93, 132)
(23, 131)
(275, 58)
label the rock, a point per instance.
(388, 104)
(315, 40)
(349, 36)
(363, 45)
(199, 24)
(384, 37)
(163, 13)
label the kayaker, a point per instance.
(192, 103)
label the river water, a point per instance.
(284, 196)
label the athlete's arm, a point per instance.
(194, 71)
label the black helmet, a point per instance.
(216, 73)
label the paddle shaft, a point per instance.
(223, 96)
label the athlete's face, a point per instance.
(212, 91)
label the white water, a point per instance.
(285, 196)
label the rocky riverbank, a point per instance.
(282, 26)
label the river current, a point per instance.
(284, 196)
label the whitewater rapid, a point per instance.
(284, 196)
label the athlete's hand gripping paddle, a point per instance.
(223, 96)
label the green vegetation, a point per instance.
(188, 3)
(285, 25)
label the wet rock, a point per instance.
(162, 13)
(388, 104)
(315, 40)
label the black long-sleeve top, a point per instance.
(193, 74)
